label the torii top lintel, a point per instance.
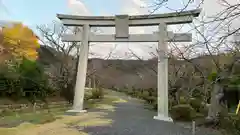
(137, 20)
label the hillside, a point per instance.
(111, 73)
(129, 73)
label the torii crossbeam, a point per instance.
(121, 24)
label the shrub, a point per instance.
(144, 95)
(24, 79)
(183, 112)
(203, 109)
(97, 93)
(155, 105)
(231, 123)
(6, 112)
(197, 93)
(172, 102)
(183, 100)
(130, 92)
(196, 104)
(150, 99)
(33, 80)
(139, 94)
(68, 92)
(87, 96)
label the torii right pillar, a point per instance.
(162, 82)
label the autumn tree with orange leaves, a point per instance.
(22, 77)
(20, 41)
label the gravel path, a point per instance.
(131, 118)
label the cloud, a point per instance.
(124, 50)
(134, 7)
(77, 7)
(138, 7)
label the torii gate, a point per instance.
(121, 24)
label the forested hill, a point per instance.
(131, 73)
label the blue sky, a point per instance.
(35, 12)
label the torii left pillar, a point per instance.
(162, 83)
(81, 72)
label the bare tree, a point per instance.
(67, 54)
(221, 54)
(63, 72)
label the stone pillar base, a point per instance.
(163, 118)
(76, 111)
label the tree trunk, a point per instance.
(215, 106)
(177, 96)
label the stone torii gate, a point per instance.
(121, 24)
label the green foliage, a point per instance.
(25, 79)
(31, 117)
(97, 93)
(183, 112)
(155, 105)
(234, 82)
(196, 104)
(42, 118)
(149, 95)
(213, 76)
(87, 96)
(6, 112)
(197, 93)
(203, 110)
(139, 93)
(183, 100)
(130, 92)
(172, 102)
(144, 95)
(231, 123)
(68, 92)
(150, 99)
(33, 80)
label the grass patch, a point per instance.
(34, 118)
(53, 121)
(95, 122)
(95, 103)
(12, 119)
(110, 98)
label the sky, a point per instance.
(37, 12)
(33, 12)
